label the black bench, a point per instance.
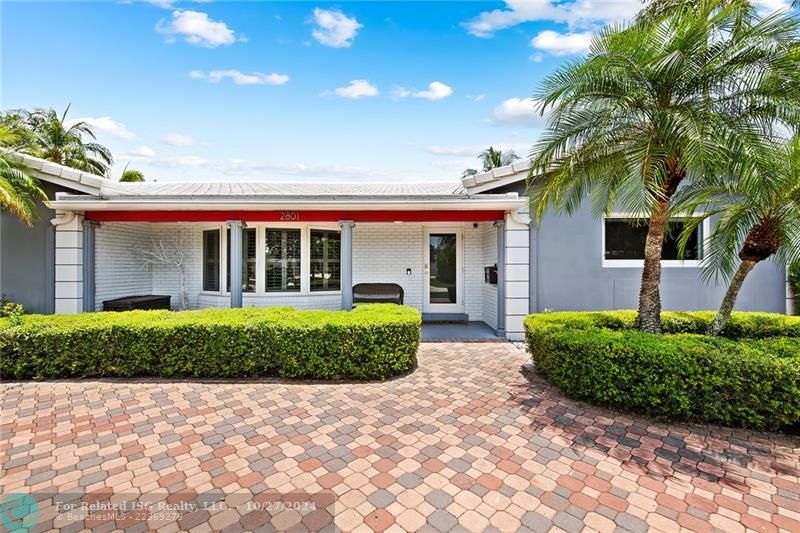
(129, 303)
(371, 293)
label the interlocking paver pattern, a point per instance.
(466, 443)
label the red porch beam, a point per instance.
(295, 216)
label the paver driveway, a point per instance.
(464, 442)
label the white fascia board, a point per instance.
(367, 204)
(499, 182)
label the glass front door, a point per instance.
(443, 277)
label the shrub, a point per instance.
(751, 378)
(370, 342)
(794, 282)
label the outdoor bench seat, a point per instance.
(365, 293)
(129, 303)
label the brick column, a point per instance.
(501, 276)
(88, 269)
(68, 262)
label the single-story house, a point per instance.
(306, 244)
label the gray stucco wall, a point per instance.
(570, 275)
(27, 259)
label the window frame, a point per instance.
(325, 260)
(261, 235)
(639, 263)
(203, 231)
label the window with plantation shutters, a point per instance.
(211, 260)
(325, 260)
(282, 260)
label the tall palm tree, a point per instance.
(690, 96)
(19, 191)
(759, 218)
(65, 144)
(492, 158)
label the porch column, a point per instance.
(532, 266)
(235, 266)
(346, 264)
(88, 265)
(501, 276)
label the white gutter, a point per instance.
(366, 204)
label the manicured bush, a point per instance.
(749, 378)
(370, 342)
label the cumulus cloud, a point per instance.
(240, 78)
(767, 7)
(178, 139)
(475, 150)
(576, 14)
(357, 89)
(142, 151)
(562, 44)
(108, 126)
(436, 91)
(519, 112)
(196, 27)
(334, 28)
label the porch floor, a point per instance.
(462, 331)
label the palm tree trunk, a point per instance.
(724, 313)
(649, 317)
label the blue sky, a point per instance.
(349, 91)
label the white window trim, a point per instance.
(639, 263)
(261, 229)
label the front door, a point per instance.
(444, 287)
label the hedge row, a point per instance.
(749, 379)
(370, 342)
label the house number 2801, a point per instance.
(289, 216)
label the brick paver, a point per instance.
(467, 442)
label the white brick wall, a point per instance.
(383, 252)
(488, 291)
(118, 268)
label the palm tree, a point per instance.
(759, 218)
(655, 104)
(19, 191)
(130, 175)
(61, 143)
(492, 158)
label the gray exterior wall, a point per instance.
(570, 275)
(27, 258)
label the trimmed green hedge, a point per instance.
(749, 378)
(370, 342)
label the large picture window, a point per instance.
(325, 260)
(625, 239)
(211, 257)
(282, 260)
(248, 260)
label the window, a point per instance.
(211, 260)
(325, 260)
(282, 256)
(625, 239)
(248, 260)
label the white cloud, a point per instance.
(519, 112)
(334, 28)
(197, 28)
(177, 139)
(767, 7)
(562, 44)
(576, 14)
(536, 58)
(478, 98)
(436, 91)
(240, 78)
(142, 151)
(108, 126)
(475, 150)
(357, 89)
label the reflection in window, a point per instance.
(625, 239)
(325, 260)
(282, 255)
